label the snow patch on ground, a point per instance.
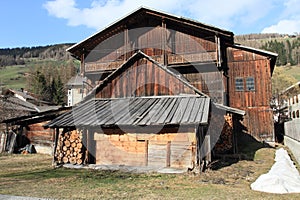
(282, 178)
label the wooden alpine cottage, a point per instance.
(127, 121)
(166, 90)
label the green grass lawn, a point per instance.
(13, 76)
(33, 175)
(293, 71)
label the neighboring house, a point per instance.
(77, 89)
(12, 106)
(25, 96)
(287, 113)
(30, 130)
(23, 119)
(164, 65)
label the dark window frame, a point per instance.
(239, 84)
(250, 83)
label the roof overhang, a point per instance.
(137, 112)
(271, 55)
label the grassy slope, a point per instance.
(293, 71)
(12, 76)
(32, 175)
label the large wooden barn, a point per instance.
(151, 69)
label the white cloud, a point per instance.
(284, 27)
(101, 13)
(231, 12)
(224, 14)
(289, 19)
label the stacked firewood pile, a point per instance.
(69, 148)
(225, 142)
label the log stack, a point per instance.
(69, 148)
(225, 142)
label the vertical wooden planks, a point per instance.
(256, 103)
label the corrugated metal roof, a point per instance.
(137, 111)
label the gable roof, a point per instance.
(137, 111)
(14, 103)
(136, 56)
(37, 117)
(137, 17)
(76, 80)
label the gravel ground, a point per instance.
(8, 197)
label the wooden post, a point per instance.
(218, 51)
(126, 41)
(55, 145)
(207, 148)
(198, 142)
(87, 146)
(146, 152)
(164, 41)
(82, 65)
(168, 161)
(193, 154)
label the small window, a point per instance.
(239, 84)
(294, 114)
(250, 85)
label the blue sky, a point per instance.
(43, 22)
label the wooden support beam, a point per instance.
(164, 42)
(82, 65)
(56, 136)
(168, 161)
(146, 152)
(126, 43)
(207, 148)
(218, 51)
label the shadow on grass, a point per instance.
(82, 175)
(247, 148)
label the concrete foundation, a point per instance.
(294, 146)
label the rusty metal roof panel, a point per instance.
(137, 111)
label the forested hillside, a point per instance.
(18, 56)
(287, 46)
(287, 70)
(43, 71)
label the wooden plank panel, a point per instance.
(120, 153)
(180, 110)
(157, 154)
(188, 111)
(181, 155)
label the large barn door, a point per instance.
(171, 154)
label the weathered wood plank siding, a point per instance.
(152, 150)
(38, 135)
(211, 83)
(178, 47)
(143, 78)
(256, 102)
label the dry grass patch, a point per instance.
(33, 175)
